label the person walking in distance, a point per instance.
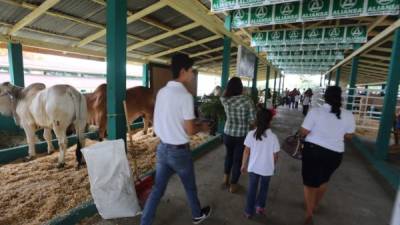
(173, 123)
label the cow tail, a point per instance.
(80, 122)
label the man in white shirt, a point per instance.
(173, 123)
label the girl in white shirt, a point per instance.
(259, 158)
(325, 129)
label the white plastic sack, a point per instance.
(110, 177)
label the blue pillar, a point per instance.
(116, 68)
(353, 78)
(146, 75)
(337, 77)
(390, 99)
(226, 53)
(268, 76)
(15, 59)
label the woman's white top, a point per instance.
(261, 160)
(326, 129)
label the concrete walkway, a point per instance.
(355, 195)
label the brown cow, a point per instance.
(139, 101)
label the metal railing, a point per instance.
(366, 105)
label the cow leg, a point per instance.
(30, 138)
(102, 123)
(146, 123)
(48, 137)
(62, 143)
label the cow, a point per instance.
(54, 108)
(139, 102)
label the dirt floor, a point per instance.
(36, 191)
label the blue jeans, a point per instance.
(172, 160)
(253, 199)
(233, 159)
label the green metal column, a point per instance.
(337, 82)
(146, 75)
(283, 84)
(353, 78)
(226, 53)
(390, 99)
(268, 76)
(330, 78)
(16, 62)
(273, 93)
(254, 92)
(280, 82)
(116, 68)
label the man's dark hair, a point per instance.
(178, 62)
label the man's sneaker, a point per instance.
(206, 212)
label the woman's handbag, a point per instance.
(293, 145)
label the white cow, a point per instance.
(54, 108)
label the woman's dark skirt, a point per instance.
(318, 164)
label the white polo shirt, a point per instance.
(174, 105)
(326, 129)
(261, 159)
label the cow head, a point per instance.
(6, 106)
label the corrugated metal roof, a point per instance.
(170, 17)
(137, 5)
(174, 41)
(78, 8)
(51, 24)
(143, 30)
(151, 49)
(11, 14)
(79, 30)
(198, 33)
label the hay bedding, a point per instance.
(36, 191)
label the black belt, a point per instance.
(176, 146)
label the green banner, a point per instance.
(347, 8)
(287, 12)
(315, 9)
(311, 10)
(325, 35)
(309, 54)
(224, 5)
(379, 7)
(279, 48)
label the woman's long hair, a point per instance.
(263, 121)
(234, 87)
(333, 96)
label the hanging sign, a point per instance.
(309, 54)
(303, 62)
(312, 10)
(224, 5)
(301, 47)
(344, 34)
